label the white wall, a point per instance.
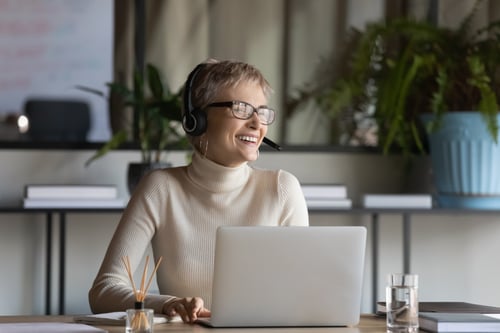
(48, 47)
(455, 255)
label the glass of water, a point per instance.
(402, 303)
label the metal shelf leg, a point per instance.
(48, 254)
(375, 231)
(62, 260)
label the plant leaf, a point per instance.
(155, 81)
(91, 90)
(117, 140)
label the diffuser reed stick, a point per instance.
(139, 322)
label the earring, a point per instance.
(258, 154)
(203, 148)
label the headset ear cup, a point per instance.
(201, 118)
(195, 122)
(188, 123)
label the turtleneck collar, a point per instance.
(215, 177)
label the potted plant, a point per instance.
(402, 69)
(157, 115)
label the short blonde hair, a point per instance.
(215, 76)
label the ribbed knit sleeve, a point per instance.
(112, 290)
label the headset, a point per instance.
(194, 120)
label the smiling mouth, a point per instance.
(247, 138)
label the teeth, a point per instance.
(247, 138)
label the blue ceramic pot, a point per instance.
(465, 161)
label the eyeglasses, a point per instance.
(243, 110)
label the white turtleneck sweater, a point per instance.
(177, 212)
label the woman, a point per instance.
(177, 210)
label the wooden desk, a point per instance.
(368, 324)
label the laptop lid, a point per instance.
(288, 276)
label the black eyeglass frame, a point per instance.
(231, 104)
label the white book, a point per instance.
(73, 203)
(329, 203)
(324, 191)
(35, 191)
(397, 201)
(459, 322)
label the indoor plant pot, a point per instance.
(137, 170)
(465, 161)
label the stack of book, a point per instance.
(326, 196)
(416, 201)
(72, 196)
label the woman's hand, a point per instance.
(189, 309)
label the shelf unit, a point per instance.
(59, 215)
(52, 215)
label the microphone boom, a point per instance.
(271, 143)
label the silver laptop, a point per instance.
(287, 276)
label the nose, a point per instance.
(254, 120)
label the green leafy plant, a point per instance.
(157, 115)
(402, 68)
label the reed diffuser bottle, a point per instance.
(139, 319)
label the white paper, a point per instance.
(48, 328)
(115, 318)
